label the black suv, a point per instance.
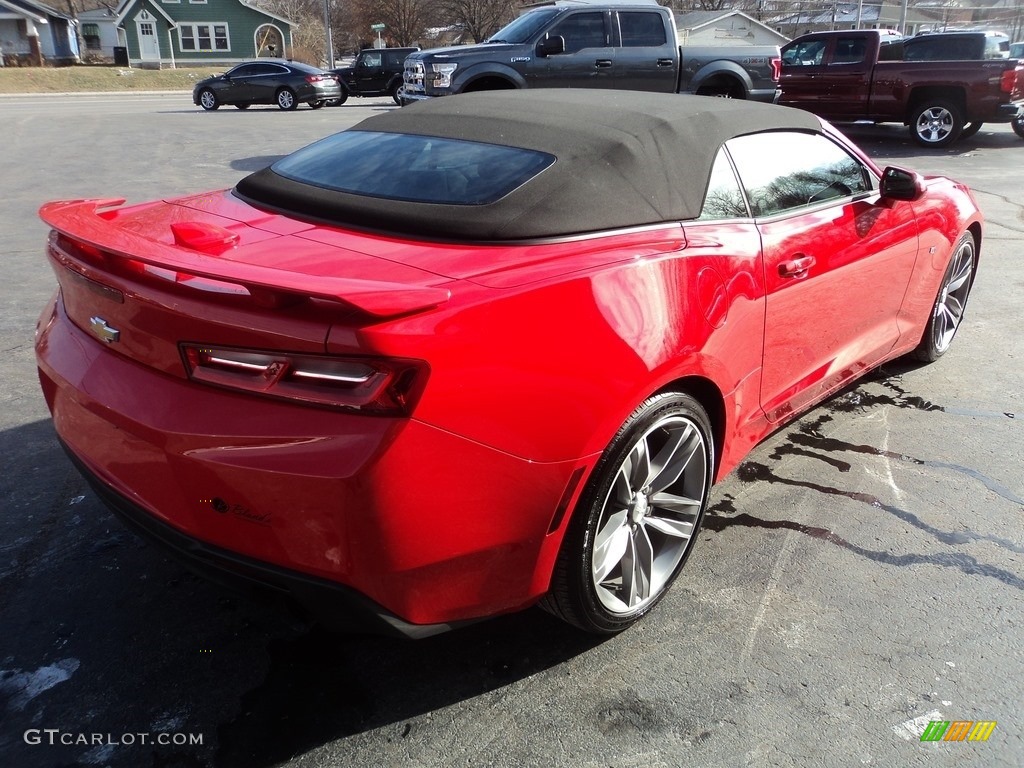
(377, 72)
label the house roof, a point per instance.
(38, 11)
(122, 9)
(125, 6)
(694, 20)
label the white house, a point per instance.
(725, 28)
(99, 32)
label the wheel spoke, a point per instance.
(610, 545)
(677, 528)
(639, 465)
(621, 489)
(674, 457)
(637, 564)
(954, 308)
(670, 502)
(962, 273)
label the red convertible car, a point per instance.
(486, 351)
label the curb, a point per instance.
(93, 93)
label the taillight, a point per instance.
(776, 69)
(1008, 82)
(377, 386)
(316, 78)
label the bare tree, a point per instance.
(403, 19)
(480, 18)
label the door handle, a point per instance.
(797, 268)
(665, 62)
(603, 63)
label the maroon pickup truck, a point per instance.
(846, 77)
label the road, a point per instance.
(860, 575)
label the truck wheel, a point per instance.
(936, 123)
(970, 129)
(1018, 125)
(393, 93)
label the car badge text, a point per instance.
(108, 333)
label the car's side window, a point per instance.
(724, 198)
(849, 50)
(246, 70)
(782, 171)
(642, 28)
(582, 30)
(807, 53)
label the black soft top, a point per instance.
(622, 159)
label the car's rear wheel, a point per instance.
(1018, 125)
(242, 106)
(286, 99)
(948, 309)
(393, 93)
(936, 123)
(637, 519)
(208, 100)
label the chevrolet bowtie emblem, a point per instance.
(99, 326)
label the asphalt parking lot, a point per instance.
(860, 575)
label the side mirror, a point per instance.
(551, 46)
(901, 184)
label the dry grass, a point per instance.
(80, 79)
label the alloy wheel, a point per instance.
(949, 308)
(650, 515)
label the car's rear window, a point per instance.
(421, 169)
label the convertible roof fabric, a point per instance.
(624, 158)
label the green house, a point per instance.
(170, 33)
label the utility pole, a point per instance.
(327, 32)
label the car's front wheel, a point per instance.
(948, 309)
(936, 123)
(286, 99)
(637, 519)
(208, 100)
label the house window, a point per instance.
(204, 37)
(91, 35)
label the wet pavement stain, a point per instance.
(808, 441)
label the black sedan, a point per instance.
(285, 83)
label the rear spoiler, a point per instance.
(81, 220)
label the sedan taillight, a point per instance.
(376, 386)
(317, 78)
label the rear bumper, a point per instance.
(427, 527)
(765, 95)
(336, 606)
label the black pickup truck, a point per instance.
(627, 45)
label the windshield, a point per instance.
(525, 27)
(419, 169)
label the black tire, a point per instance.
(625, 522)
(242, 106)
(970, 129)
(1018, 125)
(208, 100)
(936, 123)
(286, 100)
(393, 92)
(950, 303)
(340, 100)
(316, 104)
